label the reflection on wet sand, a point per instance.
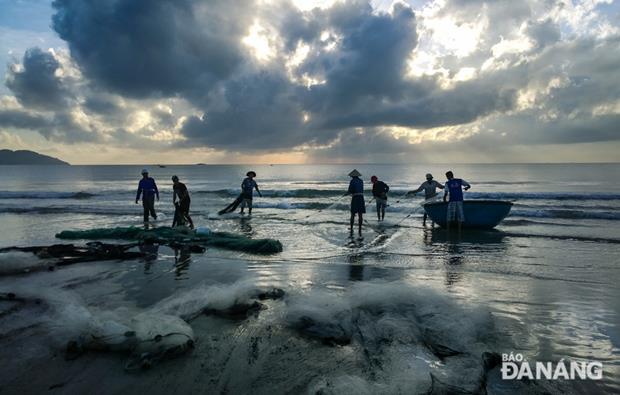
(182, 260)
(150, 251)
(451, 247)
(245, 226)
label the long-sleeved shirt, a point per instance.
(380, 190)
(356, 186)
(147, 188)
(454, 189)
(429, 188)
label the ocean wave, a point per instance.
(398, 194)
(70, 210)
(45, 195)
(541, 196)
(511, 182)
(292, 193)
(566, 214)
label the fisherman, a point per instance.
(356, 190)
(379, 192)
(148, 189)
(247, 191)
(245, 197)
(179, 190)
(430, 191)
(454, 188)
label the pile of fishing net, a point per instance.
(166, 235)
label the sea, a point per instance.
(407, 309)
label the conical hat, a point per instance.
(355, 173)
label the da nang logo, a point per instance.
(515, 367)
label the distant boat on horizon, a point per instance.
(161, 166)
(201, 164)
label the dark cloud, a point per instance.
(59, 128)
(37, 85)
(22, 119)
(141, 48)
(261, 112)
(193, 51)
(543, 33)
(102, 104)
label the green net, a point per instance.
(224, 240)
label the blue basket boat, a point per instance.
(479, 214)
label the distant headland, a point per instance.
(23, 157)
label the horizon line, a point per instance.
(332, 164)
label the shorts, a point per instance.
(455, 212)
(381, 203)
(358, 205)
(184, 206)
(246, 200)
(246, 203)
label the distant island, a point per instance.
(23, 157)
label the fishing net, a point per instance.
(224, 240)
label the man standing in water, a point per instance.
(247, 191)
(356, 190)
(430, 191)
(245, 197)
(179, 190)
(148, 189)
(455, 206)
(379, 192)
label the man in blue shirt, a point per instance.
(356, 190)
(148, 189)
(453, 188)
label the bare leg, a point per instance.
(351, 223)
(189, 219)
(360, 223)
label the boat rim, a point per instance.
(501, 202)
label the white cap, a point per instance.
(144, 171)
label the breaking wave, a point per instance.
(566, 214)
(45, 195)
(541, 196)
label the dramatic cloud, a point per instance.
(347, 81)
(141, 48)
(36, 84)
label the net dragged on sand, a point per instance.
(224, 240)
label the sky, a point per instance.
(314, 81)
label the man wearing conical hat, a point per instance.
(358, 206)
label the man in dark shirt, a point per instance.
(247, 191)
(356, 190)
(148, 189)
(379, 192)
(245, 197)
(179, 190)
